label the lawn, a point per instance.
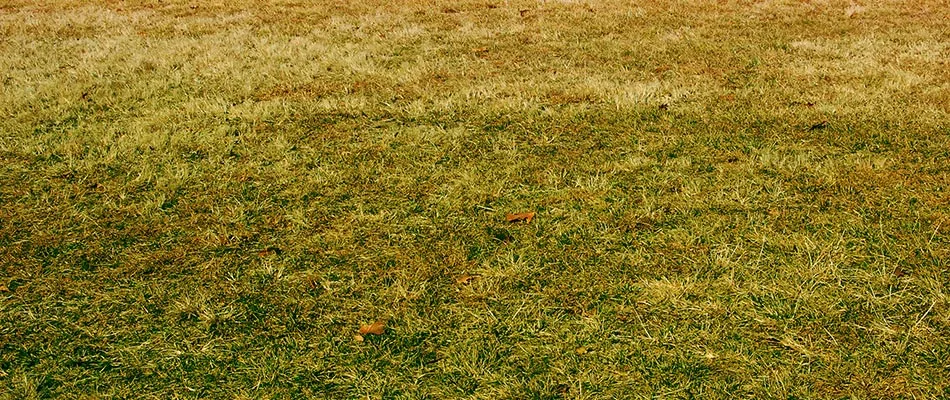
(733, 199)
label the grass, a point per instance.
(207, 199)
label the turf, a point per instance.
(208, 199)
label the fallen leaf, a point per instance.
(358, 338)
(581, 351)
(269, 251)
(820, 125)
(526, 217)
(522, 12)
(480, 50)
(464, 279)
(4, 288)
(376, 328)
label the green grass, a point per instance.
(207, 199)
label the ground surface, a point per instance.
(734, 199)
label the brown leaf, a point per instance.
(4, 288)
(358, 338)
(525, 216)
(270, 251)
(465, 279)
(376, 328)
